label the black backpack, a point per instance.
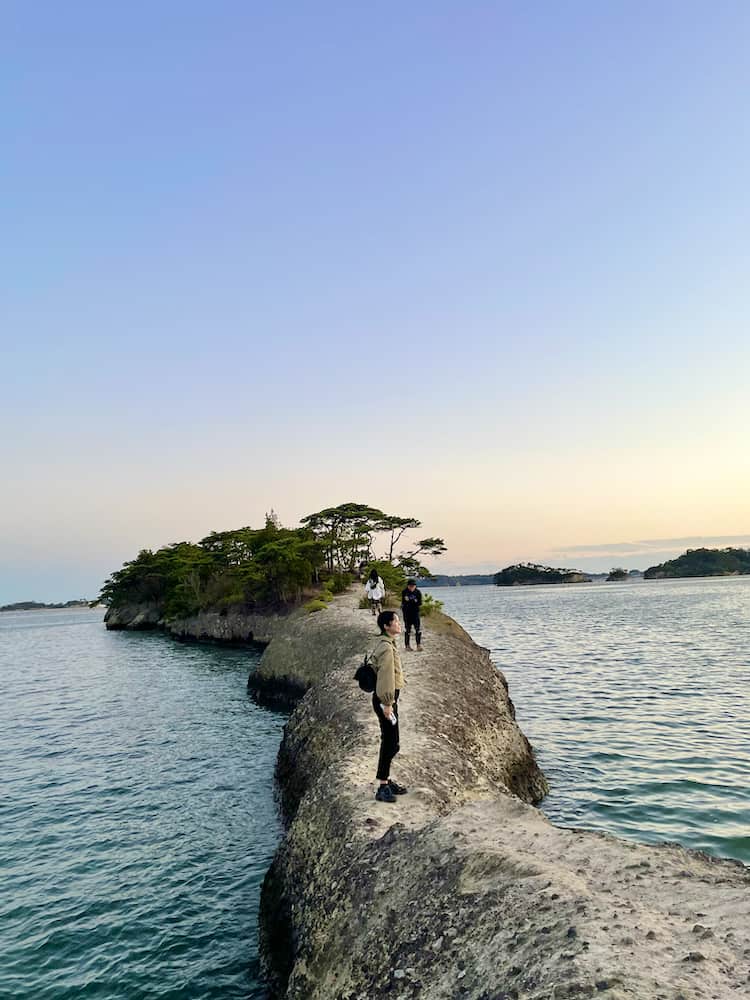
(365, 675)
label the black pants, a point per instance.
(412, 618)
(389, 745)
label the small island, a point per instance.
(526, 574)
(616, 574)
(702, 562)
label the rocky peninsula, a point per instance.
(462, 888)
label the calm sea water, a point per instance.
(636, 698)
(137, 818)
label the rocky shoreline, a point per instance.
(462, 888)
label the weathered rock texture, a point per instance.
(136, 617)
(461, 889)
(208, 626)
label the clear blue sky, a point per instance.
(483, 264)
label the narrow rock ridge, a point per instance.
(462, 888)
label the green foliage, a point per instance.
(428, 546)
(224, 590)
(703, 562)
(430, 605)
(340, 582)
(413, 567)
(287, 565)
(396, 526)
(265, 567)
(394, 579)
(312, 606)
(617, 573)
(168, 578)
(347, 534)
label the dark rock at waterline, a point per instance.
(230, 628)
(283, 693)
(134, 617)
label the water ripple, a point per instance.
(138, 819)
(636, 699)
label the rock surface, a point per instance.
(136, 617)
(463, 889)
(208, 626)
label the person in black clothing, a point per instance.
(411, 602)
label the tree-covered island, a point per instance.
(526, 574)
(617, 574)
(273, 566)
(702, 562)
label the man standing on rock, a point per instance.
(390, 680)
(411, 602)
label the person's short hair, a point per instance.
(411, 583)
(385, 618)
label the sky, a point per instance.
(483, 264)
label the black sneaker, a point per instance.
(385, 794)
(396, 788)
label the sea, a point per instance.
(635, 697)
(138, 816)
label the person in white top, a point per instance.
(375, 591)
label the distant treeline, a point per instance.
(694, 562)
(703, 562)
(38, 606)
(528, 573)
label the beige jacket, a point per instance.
(387, 665)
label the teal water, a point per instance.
(636, 698)
(137, 818)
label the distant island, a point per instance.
(702, 562)
(616, 574)
(692, 563)
(465, 580)
(484, 579)
(525, 574)
(38, 606)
